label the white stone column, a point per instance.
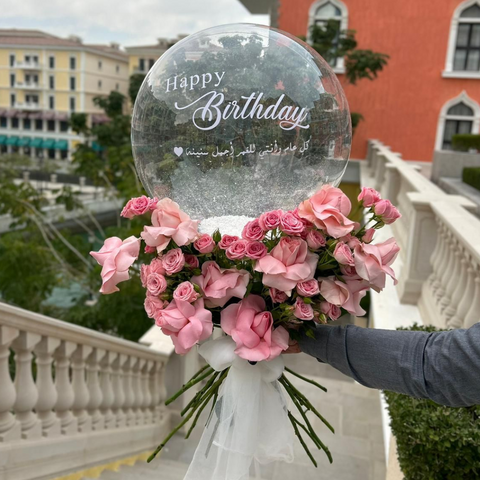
(27, 394)
(137, 389)
(466, 301)
(81, 393)
(147, 395)
(391, 185)
(473, 314)
(128, 389)
(9, 425)
(380, 171)
(447, 305)
(94, 390)
(65, 393)
(458, 292)
(47, 394)
(118, 390)
(442, 232)
(107, 390)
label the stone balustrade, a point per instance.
(439, 240)
(71, 397)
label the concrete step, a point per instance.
(159, 470)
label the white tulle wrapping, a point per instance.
(249, 424)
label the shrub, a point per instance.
(435, 442)
(471, 175)
(463, 142)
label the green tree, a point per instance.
(332, 44)
(136, 81)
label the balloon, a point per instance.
(240, 119)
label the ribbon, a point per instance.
(249, 425)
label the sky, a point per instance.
(137, 22)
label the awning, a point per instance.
(37, 142)
(61, 145)
(3, 111)
(12, 141)
(35, 116)
(3, 139)
(48, 115)
(100, 118)
(49, 143)
(96, 147)
(22, 115)
(11, 113)
(63, 117)
(24, 142)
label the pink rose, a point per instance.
(277, 296)
(116, 257)
(155, 266)
(346, 295)
(368, 236)
(150, 249)
(330, 310)
(386, 211)
(302, 310)
(219, 285)
(291, 224)
(186, 292)
(289, 263)
(173, 261)
(255, 250)
(270, 220)
(227, 240)
(186, 323)
(343, 254)
(309, 288)
(156, 284)
(237, 250)
(369, 197)
(137, 206)
(153, 306)
(349, 271)
(351, 240)
(328, 210)
(204, 244)
(253, 231)
(315, 240)
(191, 261)
(169, 222)
(372, 262)
(251, 327)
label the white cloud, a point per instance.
(126, 22)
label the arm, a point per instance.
(441, 366)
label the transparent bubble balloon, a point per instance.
(240, 119)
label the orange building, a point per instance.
(430, 88)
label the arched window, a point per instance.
(323, 11)
(463, 58)
(458, 116)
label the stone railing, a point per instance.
(71, 398)
(439, 240)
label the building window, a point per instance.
(31, 99)
(333, 11)
(12, 59)
(63, 154)
(51, 62)
(63, 126)
(51, 125)
(72, 104)
(27, 124)
(141, 64)
(51, 102)
(12, 99)
(51, 154)
(3, 122)
(51, 82)
(72, 83)
(73, 63)
(458, 116)
(15, 123)
(99, 64)
(35, 59)
(12, 79)
(467, 48)
(38, 124)
(117, 68)
(99, 84)
(151, 62)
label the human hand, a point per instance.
(293, 347)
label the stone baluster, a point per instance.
(373, 164)
(473, 314)
(81, 393)
(155, 390)
(162, 397)
(458, 292)
(129, 393)
(455, 280)
(137, 389)
(391, 186)
(447, 268)
(27, 394)
(451, 279)
(107, 390)
(47, 394)
(147, 395)
(434, 259)
(118, 390)
(65, 393)
(464, 305)
(94, 390)
(380, 171)
(436, 285)
(9, 425)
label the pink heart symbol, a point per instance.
(178, 151)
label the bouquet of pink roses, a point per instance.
(290, 270)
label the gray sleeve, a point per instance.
(441, 366)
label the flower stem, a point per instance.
(305, 379)
(189, 385)
(297, 433)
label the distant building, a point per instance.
(43, 80)
(430, 89)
